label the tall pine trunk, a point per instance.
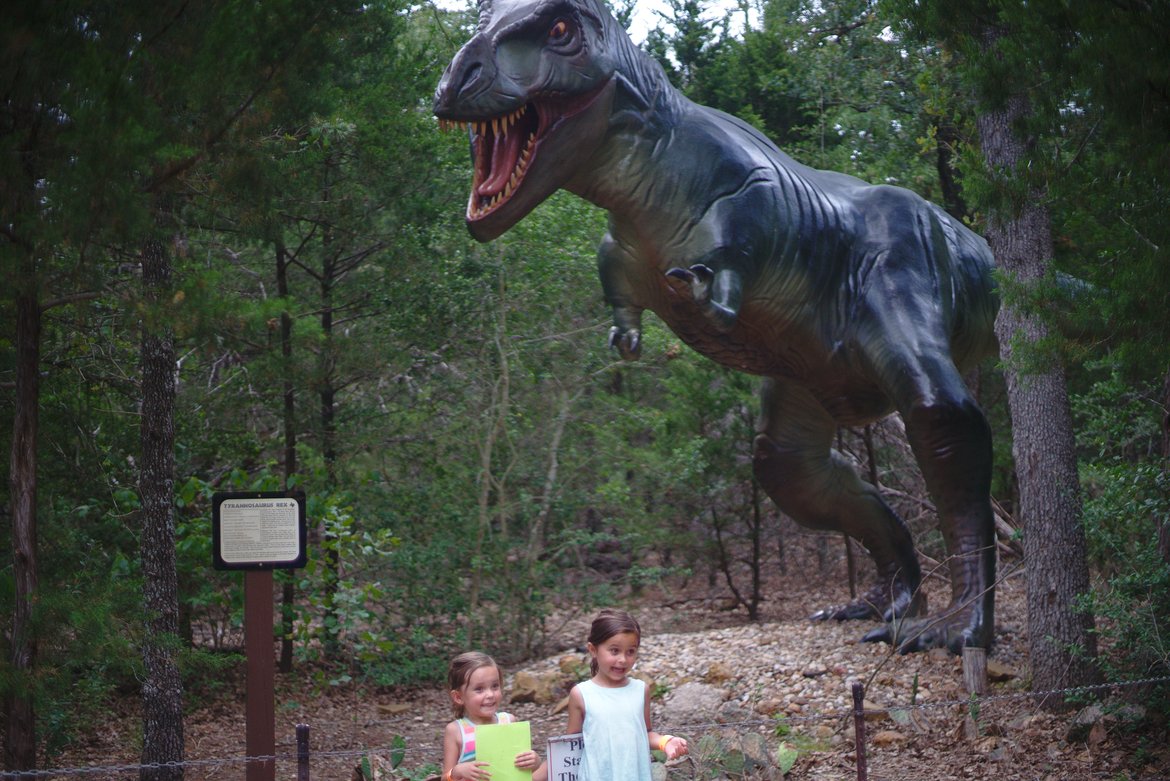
(20, 747)
(288, 585)
(162, 690)
(1062, 645)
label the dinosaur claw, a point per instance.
(883, 634)
(627, 342)
(694, 282)
(703, 273)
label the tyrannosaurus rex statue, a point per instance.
(851, 300)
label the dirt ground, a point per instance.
(925, 725)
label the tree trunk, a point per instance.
(288, 585)
(326, 394)
(20, 747)
(1062, 646)
(162, 690)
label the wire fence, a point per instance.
(711, 753)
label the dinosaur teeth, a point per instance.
(504, 141)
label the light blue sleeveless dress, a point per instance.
(617, 747)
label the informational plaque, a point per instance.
(258, 530)
(564, 757)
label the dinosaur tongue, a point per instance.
(505, 151)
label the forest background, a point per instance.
(234, 259)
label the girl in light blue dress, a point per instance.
(612, 710)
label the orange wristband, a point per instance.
(662, 741)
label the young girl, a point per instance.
(476, 691)
(612, 710)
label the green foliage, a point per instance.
(1127, 506)
(746, 757)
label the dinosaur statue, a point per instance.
(851, 300)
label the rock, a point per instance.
(939, 655)
(574, 666)
(756, 747)
(888, 737)
(393, 708)
(998, 673)
(873, 711)
(718, 672)
(1081, 724)
(769, 706)
(540, 689)
(693, 703)
(1092, 722)
(815, 670)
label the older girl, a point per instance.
(612, 710)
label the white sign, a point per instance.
(259, 529)
(564, 756)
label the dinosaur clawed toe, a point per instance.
(627, 342)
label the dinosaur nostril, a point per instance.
(471, 77)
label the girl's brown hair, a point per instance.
(606, 624)
(459, 673)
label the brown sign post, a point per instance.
(257, 532)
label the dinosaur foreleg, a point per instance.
(717, 294)
(796, 465)
(614, 265)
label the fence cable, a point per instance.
(430, 749)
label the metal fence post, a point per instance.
(302, 752)
(859, 728)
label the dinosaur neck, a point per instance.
(646, 108)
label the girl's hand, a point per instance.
(675, 747)
(470, 771)
(527, 760)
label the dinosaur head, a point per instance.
(535, 86)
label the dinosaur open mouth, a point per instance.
(503, 147)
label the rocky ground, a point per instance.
(753, 699)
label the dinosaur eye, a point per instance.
(559, 31)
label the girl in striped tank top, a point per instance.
(476, 692)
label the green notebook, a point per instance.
(498, 745)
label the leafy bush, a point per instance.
(1127, 504)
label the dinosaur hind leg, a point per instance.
(796, 465)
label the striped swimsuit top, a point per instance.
(467, 732)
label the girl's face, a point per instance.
(480, 696)
(615, 658)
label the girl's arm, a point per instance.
(668, 744)
(452, 748)
(577, 711)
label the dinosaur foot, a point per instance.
(955, 628)
(884, 601)
(627, 342)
